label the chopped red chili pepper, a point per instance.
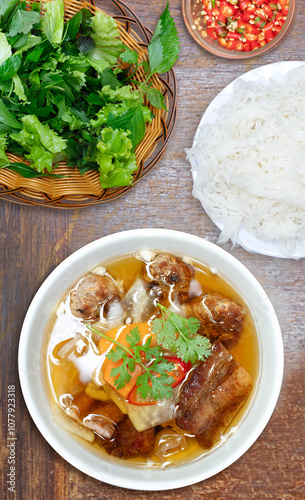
(244, 25)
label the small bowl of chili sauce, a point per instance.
(238, 29)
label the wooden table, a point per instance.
(34, 240)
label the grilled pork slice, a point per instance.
(211, 398)
(128, 442)
(221, 318)
(99, 416)
(93, 292)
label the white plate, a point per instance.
(32, 360)
(260, 75)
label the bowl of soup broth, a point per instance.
(151, 359)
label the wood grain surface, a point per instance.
(34, 240)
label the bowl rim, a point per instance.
(218, 51)
(121, 475)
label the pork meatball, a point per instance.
(93, 292)
(220, 318)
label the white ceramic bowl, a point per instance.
(32, 371)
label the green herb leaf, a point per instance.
(146, 66)
(23, 21)
(156, 98)
(109, 78)
(85, 44)
(6, 9)
(74, 25)
(29, 172)
(129, 56)
(132, 120)
(7, 118)
(4, 161)
(10, 67)
(155, 381)
(180, 336)
(163, 49)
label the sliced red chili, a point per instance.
(227, 9)
(212, 33)
(268, 11)
(244, 4)
(231, 44)
(180, 369)
(254, 44)
(239, 46)
(135, 399)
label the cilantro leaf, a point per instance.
(180, 335)
(155, 381)
(163, 49)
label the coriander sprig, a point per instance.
(180, 336)
(155, 381)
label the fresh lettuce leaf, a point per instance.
(74, 122)
(116, 111)
(4, 161)
(108, 46)
(41, 142)
(115, 158)
(5, 48)
(126, 93)
(123, 109)
(23, 21)
(40, 158)
(53, 22)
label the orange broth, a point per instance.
(71, 375)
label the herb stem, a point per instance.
(170, 318)
(110, 339)
(146, 368)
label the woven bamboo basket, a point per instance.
(78, 190)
